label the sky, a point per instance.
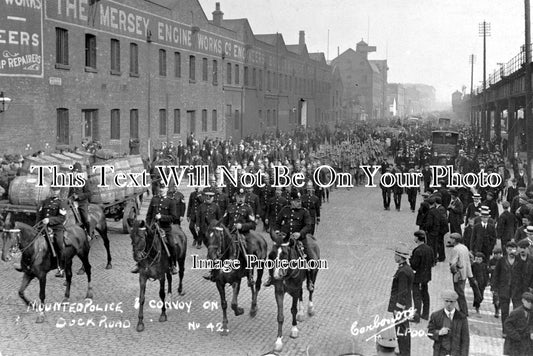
(424, 41)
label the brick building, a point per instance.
(154, 71)
(364, 82)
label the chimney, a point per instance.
(218, 15)
(301, 41)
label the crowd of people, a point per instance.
(490, 247)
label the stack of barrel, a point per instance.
(23, 190)
(112, 192)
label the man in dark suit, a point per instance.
(506, 224)
(483, 235)
(518, 327)
(401, 299)
(455, 209)
(448, 328)
(421, 262)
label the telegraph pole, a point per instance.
(527, 109)
(473, 122)
(484, 31)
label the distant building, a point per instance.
(154, 71)
(364, 82)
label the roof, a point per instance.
(318, 56)
(268, 38)
(293, 48)
(374, 67)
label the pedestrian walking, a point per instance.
(461, 269)
(448, 328)
(421, 262)
(401, 299)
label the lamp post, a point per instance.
(473, 121)
(484, 31)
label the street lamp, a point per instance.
(4, 102)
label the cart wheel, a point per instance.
(130, 212)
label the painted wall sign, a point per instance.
(21, 34)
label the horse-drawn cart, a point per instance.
(128, 207)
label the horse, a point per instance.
(150, 254)
(37, 256)
(289, 280)
(223, 247)
(97, 221)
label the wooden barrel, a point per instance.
(86, 155)
(101, 195)
(34, 161)
(83, 160)
(122, 166)
(137, 166)
(23, 190)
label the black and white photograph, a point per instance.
(266, 177)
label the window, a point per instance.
(268, 118)
(254, 75)
(204, 69)
(237, 120)
(204, 120)
(228, 73)
(134, 59)
(192, 68)
(162, 122)
(260, 114)
(134, 123)
(177, 121)
(237, 72)
(274, 118)
(260, 79)
(162, 62)
(191, 116)
(90, 51)
(214, 126)
(228, 113)
(177, 64)
(61, 46)
(90, 124)
(268, 80)
(62, 127)
(246, 74)
(115, 56)
(215, 72)
(115, 124)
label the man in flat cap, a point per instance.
(506, 281)
(421, 262)
(401, 297)
(448, 328)
(461, 269)
(526, 260)
(518, 327)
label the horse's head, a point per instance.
(10, 239)
(138, 236)
(216, 240)
(283, 253)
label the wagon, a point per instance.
(126, 208)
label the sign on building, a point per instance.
(21, 33)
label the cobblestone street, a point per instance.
(353, 237)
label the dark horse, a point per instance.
(153, 261)
(98, 222)
(222, 246)
(37, 258)
(289, 280)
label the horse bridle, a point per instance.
(220, 242)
